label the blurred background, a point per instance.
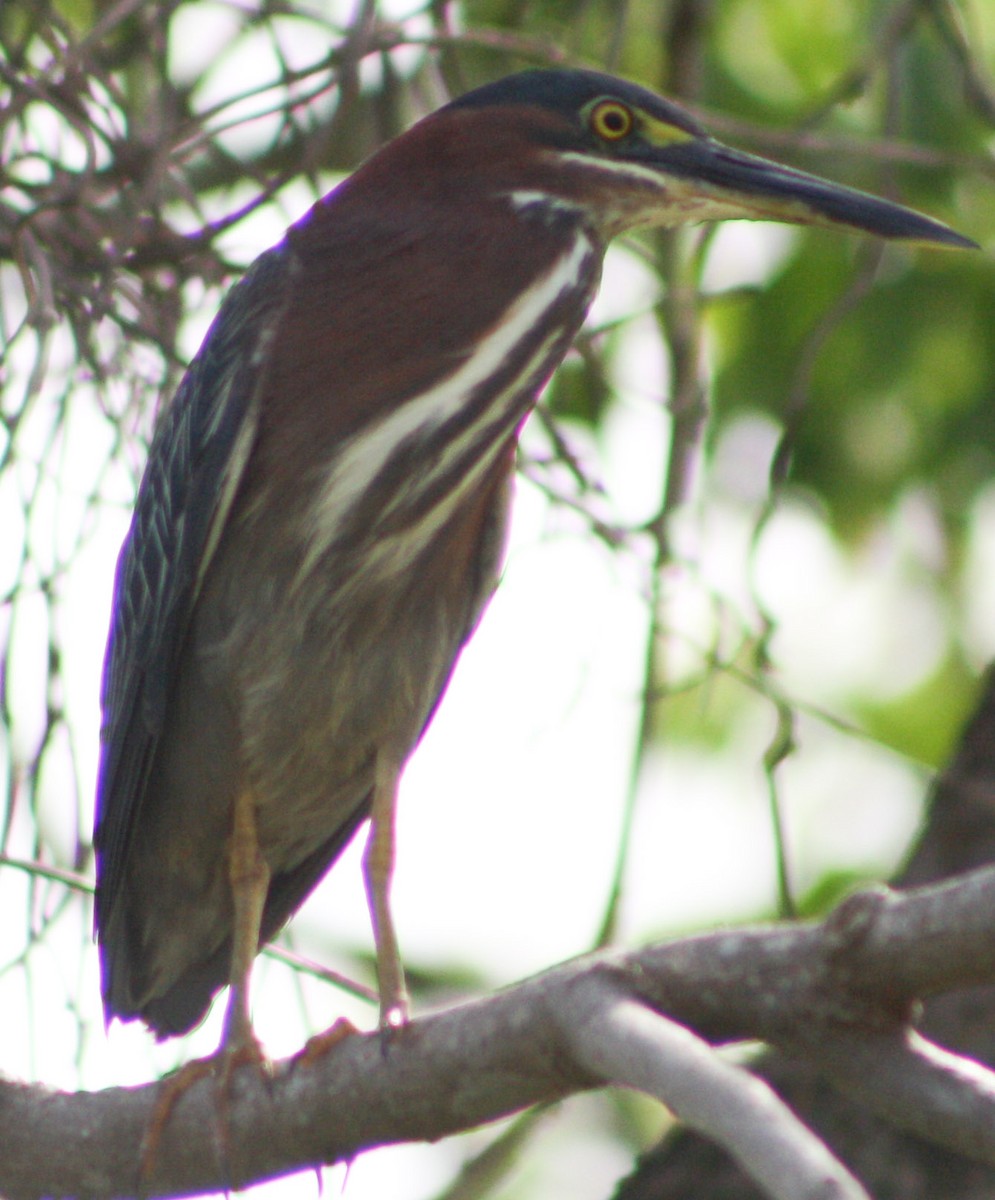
(751, 581)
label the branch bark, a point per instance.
(627, 1043)
(840, 992)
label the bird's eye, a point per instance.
(611, 120)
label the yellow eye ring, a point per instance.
(611, 120)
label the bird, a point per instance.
(321, 520)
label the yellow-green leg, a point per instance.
(249, 878)
(378, 867)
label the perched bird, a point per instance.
(321, 520)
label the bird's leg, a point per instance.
(378, 869)
(249, 877)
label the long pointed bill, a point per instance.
(735, 184)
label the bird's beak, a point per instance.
(729, 183)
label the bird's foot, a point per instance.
(220, 1066)
(318, 1046)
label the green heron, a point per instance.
(321, 520)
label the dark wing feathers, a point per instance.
(196, 459)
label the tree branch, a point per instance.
(919, 1087)
(627, 1043)
(840, 991)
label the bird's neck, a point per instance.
(425, 375)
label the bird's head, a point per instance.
(622, 157)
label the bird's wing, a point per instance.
(196, 460)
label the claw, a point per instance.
(220, 1066)
(318, 1046)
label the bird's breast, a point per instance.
(399, 479)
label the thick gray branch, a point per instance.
(628, 1043)
(825, 990)
(916, 1085)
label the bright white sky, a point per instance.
(511, 808)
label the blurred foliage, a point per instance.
(924, 722)
(831, 888)
(899, 396)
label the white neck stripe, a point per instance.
(364, 456)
